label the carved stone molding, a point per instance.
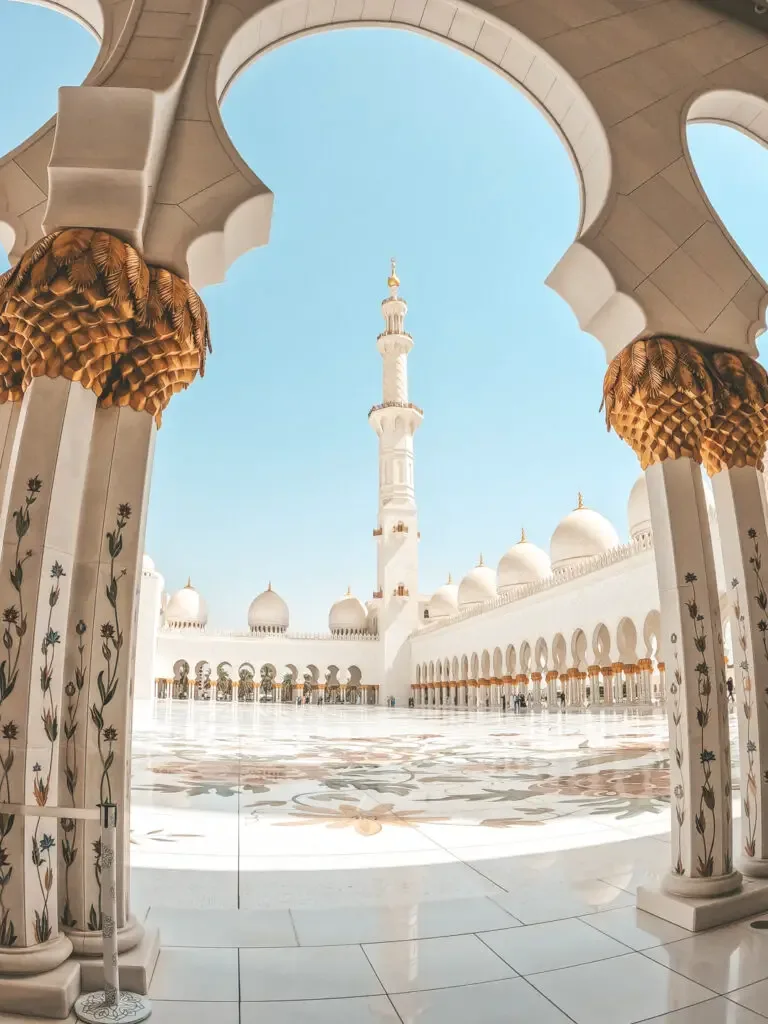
(84, 305)
(659, 397)
(738, 431)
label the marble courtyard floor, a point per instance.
(354, 865)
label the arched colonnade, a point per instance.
(267, 684)
(605, 671)
(134, 196)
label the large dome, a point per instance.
(444, 601)
(478, 585)
(147, 565)
(523, 563)
(348, 615)
(582, 534)
(186, 609)
(268, 613)
(639, 509)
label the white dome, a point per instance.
(186, 609)
(523, 563)
(582, 534)
(639, 509)
(268, 613)
(444, 601)
(478, 585)
(348, 615)
(147, 565)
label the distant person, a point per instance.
(731, 695)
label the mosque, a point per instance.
(582, 620)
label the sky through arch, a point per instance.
(379, 143)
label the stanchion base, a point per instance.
(130, 1008)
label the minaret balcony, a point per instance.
(400, 591)
(400, 528)
(378, 595)
(378, 531)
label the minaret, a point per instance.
(395, 421)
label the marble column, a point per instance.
(535, 688)
(733, 451)
(551, 680)
(99, 668)
(646, 694)
(36, 571)
(606, 671)
(662, 670)
(593, 671)
(658, 396)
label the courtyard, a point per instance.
(354, 864)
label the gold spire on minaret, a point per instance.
(393, 280)
(189, 583)
(581, 501)
(450, 578)
(481, 562)
(523, 538)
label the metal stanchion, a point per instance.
(110, 1004)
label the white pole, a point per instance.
(110, 1004)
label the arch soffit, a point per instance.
(496, 43)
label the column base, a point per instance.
(50, 995)
(754, 867)
(136, 966)
(90, 944)
(696, 914)
(701, 888)
(35, 960)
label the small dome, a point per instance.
(582, 534)
(147, 565)
(186, 609)
(478, 585)
(639, 509)
(523, 563)
(348, 615)
(268, 613)
(444, 601)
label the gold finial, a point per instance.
(269, 585)
(481, 562)
(450, 578)
(393, 280)
(523, 538)
(349, 591)
(189, 583)
(581, 501)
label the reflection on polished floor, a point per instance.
(356, 864)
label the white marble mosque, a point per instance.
(596, 853)
(582, 620)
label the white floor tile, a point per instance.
(548, 947)
(421, 920)
(306, 973)
(212, 883)
(435, 963)
(723, 959)
(754, 996)
(195, 975)
(496, 1002)
(164, 1012)
(373, 1010)
(537, 903)
(623, 990)
(716, 1011)
(223, 928)
(635, 928)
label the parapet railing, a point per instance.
(248, 635)
(571, 572)
(395, 405)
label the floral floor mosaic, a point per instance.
(357, 864)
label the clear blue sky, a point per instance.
(380, 143)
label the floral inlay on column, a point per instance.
(69, 826)
(677, 749)
(14, 630)
(750, 790)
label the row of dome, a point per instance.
(581, 535)
(268, 612)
